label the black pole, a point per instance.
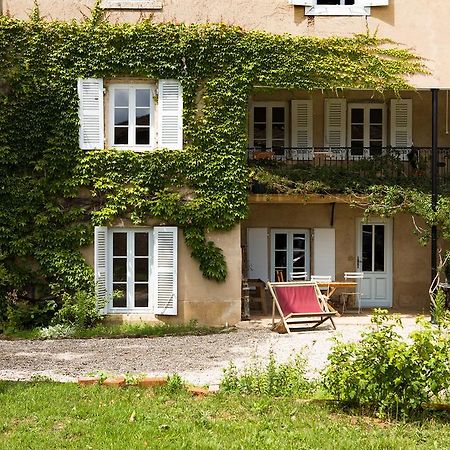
(434, 178)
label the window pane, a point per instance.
(142, 116)
(121, 97)
(119, 244)
(357, 132)
(141, 269)
(376, 132)
(376, 148)
(278, 115)
(278, 132)
(280, 259)
(299, 241)
(349, 2)
(142, 136)
(298, 260)
(259, 131)
(119, 295)
(367, 248)
(357, 148)
(121, 116)
(119, 269)
(357, 115)
(143, 97)
(329, 2)
(259, 144)
(376, 115)
(260, 114)
(141, 295)
(379, 248)
(141, 244)
(280, 241)
(121, 135)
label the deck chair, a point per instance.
(300, 304)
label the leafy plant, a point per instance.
(56, 331)
(388, 374)
(284, 379)
(175, 383)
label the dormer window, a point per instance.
(338, 7)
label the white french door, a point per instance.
(374, 259)
(290, 251)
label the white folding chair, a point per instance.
(352, 276)
(298, 276)
(323, 279)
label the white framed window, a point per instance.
(269, 125)
(338, 7)
(136, 269)
(290, 253)
(366, 131)
(131, 116)
(140, 116)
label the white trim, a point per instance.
(131, 4)
(388, 272)
(269, 104)
(290, 232)
(360, 8)
(130, 309)
(366, 107)
(131, 87)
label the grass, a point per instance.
(49, 415)
(126, 330)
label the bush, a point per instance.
(56, 331)
(388, 374)
(274, 379)
(79, 310)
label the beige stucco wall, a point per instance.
(421, 111)
(419, 25)
(411, 261)
(208, 302)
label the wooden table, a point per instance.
(333, 286)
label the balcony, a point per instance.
(334, 170)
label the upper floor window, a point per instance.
(131, 4)
(338, 7)
(131, 116)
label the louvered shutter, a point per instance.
(170, 112)
(100, 266)
(165, 270)
(401, 123)
(90, 94)
(325, 252)
(302, 2)
(375, 2)
(334, 127)
(301, 129)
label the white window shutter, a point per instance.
(302, 128)
(165, 270)
(325, 252)
(375, 2)
(90, 94)
(257, 254)
(170, 114)
(302, 2)
(335, 123)
(100, 265)
(401, 123)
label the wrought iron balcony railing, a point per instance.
(410, 165)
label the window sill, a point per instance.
(131, 4)
(336, 10)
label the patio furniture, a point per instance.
(300, 304)
(355, 276)
(257, 291)
(299, 276)
(323, 279)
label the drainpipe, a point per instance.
(434, 177)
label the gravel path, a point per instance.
(198, 359)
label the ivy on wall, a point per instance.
(52, 193)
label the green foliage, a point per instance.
(203, 188)
(439, 312)
(79, 310)
(57, 331)
(175, 383)
(388, 374)
(281, 380)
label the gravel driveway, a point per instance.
(198, 359)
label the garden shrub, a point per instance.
(283, 379)
(79, 310)
(56, 331)
(388, 374)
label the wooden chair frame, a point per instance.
(297, 321)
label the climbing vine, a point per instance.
(52, 193)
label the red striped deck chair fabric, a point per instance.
(300, 304)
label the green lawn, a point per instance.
(44, 415)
